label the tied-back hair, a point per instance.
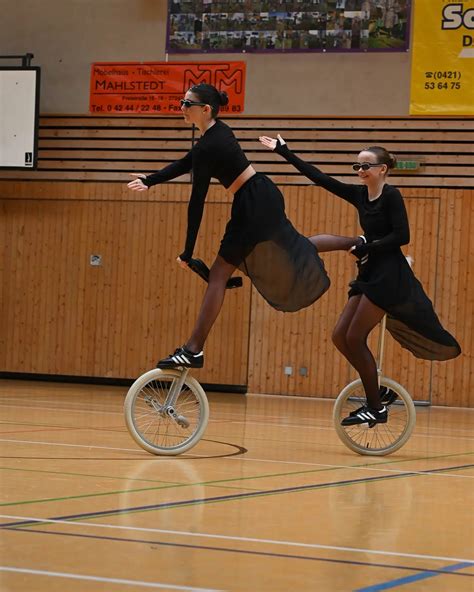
(383, 156)
(211, 96)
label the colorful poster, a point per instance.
(287, 25)
(442, 76)
(155, 88)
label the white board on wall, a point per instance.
(19, 114)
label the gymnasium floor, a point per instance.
(269, 500)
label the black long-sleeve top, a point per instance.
(384, 219)
(216, 154)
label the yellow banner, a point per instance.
(442, 75)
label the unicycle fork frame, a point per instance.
(176, 386)
(381, 345)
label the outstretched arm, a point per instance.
(345, 191)
(173, 170)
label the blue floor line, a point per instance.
(414, 578)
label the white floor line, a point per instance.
(73, 576)
(329, 427)
(364, 468)
(88, 446)
(318, 427)
(245, 539)
(247, 459)
(249, 419)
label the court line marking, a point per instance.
(229, 497)
(220, 482)
(237, 539)
(266, 554)
(243, 458)
(74, 576)
(249, 420)
(223, 482)
(191, 456)
(414, 578)
(135, 450)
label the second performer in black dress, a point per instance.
(385, 283)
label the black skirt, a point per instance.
(389, 282)
(259, 239)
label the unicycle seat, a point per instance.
(199, 267)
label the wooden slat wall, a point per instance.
(102, 149)
(62, 316)
(59, 315)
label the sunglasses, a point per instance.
(365, 167)
(187, 103)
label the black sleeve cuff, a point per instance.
(186, 257)
(281, 149)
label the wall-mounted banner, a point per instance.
(442, 76)
(278, 26)
(155, 88)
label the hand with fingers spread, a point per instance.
(137, 184)
(272, 143)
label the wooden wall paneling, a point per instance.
(3, 274)
(288, 123)
(465, 306)
(452, 382)
(113, 316)
(342, 146)
(281, 177)
(364, 136)
(101, 149)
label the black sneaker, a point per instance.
(387, 396)
(367, 415)
(182, 358)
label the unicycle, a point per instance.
(382, 438)
(166, 411)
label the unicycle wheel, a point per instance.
(161, 420)
(382, 438)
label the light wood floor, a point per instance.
(269, 500)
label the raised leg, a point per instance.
(332, 242)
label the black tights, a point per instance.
(221, 272)
(350, 334)
(212, 303)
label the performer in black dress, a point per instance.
(385, 283)
(259, 239)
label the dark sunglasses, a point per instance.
(365, 167)
(187, 103)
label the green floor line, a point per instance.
(170, 505)
(216, 482)
(72, 474)
(219, 482)
(118, 492)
